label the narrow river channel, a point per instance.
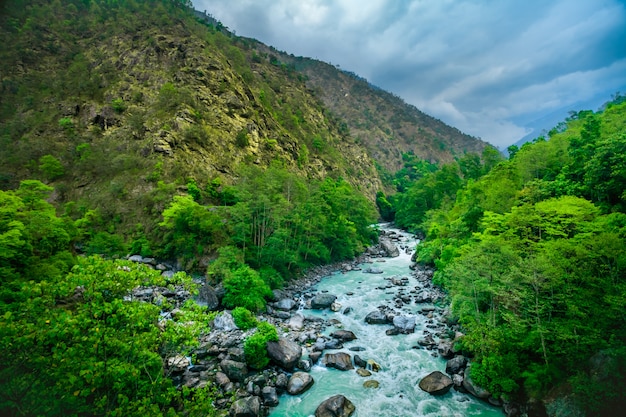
(403, 363)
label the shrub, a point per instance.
(51, 167)
(244, 319)
(118, 105)
(245, 288)
(255, 346)
(242, 139)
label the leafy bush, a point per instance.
(255, 346)
(244, 319)
(245, 288)
(51, 167)
(118, 105)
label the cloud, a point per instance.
(484, 67)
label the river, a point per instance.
(403, 365)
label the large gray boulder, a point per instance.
(336, 406)
(299, 383)
(246, 407)
(322, 301)
(390, 249)
(339, 360)
(236, 371)
(285, 353)
(436, 383)
(376, 317)
(208, 294)
(404, 324)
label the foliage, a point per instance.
(244, 288)
(51, 167)
(244, 319)
(255, 346)
(532, 253)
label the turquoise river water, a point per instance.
(402, 365)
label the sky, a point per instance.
(491, 68)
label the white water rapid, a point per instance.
(403, 365)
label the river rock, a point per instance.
(472, 388)
(404, 324)
(376, 317)
(333, 344)
(177, 364)
(296, 322)
(456, 365)
(208, 295)
(335, 306)
(363, 372)
(281, 381)
(340, 361)
(373, 271)
(373, 365)
(246, 407)
(224, 322)
(314, 357)
(299, 383)
(286, 304)
(390, 249)
(436, 383)
(270, 396)
(236, 371)
(285, 353)
(343, 335)
(336, 406)
(358, 361)
(371, 383)
(322, 301)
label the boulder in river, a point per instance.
(376, 317)
(270, 396)
(299, 383)
(436, 383)
(246, 407)
(285, 353)
(390, 249)
(322, 301)
(343, 335)
(373, 271)
(336, 406)
(404, 324)
(339, 360)
(371, 383)
(456, 365)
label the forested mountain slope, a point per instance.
(533, 255)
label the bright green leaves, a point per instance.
(245, 288)
(255, 346)
(82, 346)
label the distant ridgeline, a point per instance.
(141, 127)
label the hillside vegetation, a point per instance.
(533, 255)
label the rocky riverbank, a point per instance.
(220, 360)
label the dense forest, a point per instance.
(206, 152)
(532, 253)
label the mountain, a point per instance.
(120, 104)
